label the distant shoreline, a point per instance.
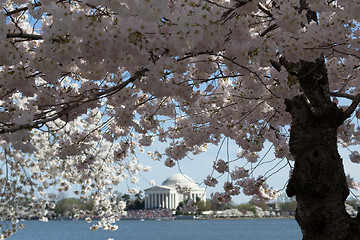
(162, 219)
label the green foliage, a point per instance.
(134, 202)
(224, 206)
(203, 206)
(246, 207)
(352, 202)
(262, 205)
(288, 206)
(125, 197)
(179, 207)
(64, 207)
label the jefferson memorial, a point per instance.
(166, 196)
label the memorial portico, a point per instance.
(166, 196)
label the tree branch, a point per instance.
(216, 4)
(352, 107)
(269, 29)
(344, 95)
(68, 109)
(265, 10)
(17, 10)
(24, 35)
(239, 4)
(277, 65)
(251, 71)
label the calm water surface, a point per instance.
(239, 229)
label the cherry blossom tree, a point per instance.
(85, 84)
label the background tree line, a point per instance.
(64, 206)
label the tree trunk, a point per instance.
(318, 180)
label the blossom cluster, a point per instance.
(189, 207)
(85, 85)
(185, 190)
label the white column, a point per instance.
(155, 199)
(170, 199)
(150, 198)
(174, 195)
(160, 205)
(146, 201)
(162, 200)
(158, 200)
(171, 204)
(175, 200)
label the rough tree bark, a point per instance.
(318, 180)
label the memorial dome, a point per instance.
(166, 195)
(179, 179)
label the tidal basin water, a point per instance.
(228, 229)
